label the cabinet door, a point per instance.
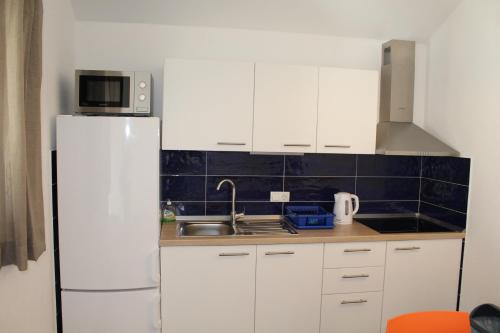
(288, 294)
(285, 108)
(347, 110)
(207, 105)
(208, 289)
(420, 276)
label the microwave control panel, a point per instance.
(142, 92)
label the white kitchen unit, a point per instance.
(347, 110)
(288, 288)
(305, 288)
(421, 276)
(207, 105)
(285, 108)
(107, 178)
(208, 289)
(353, 281)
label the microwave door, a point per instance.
(105, 93)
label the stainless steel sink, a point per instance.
(244, 228)
(205, 229)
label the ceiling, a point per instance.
(379, 19)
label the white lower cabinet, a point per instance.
(421, 276)
(305, 288)
(208, 289)
(351, 313)
(288, 288)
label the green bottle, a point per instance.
(168, 212)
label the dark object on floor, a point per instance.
(485, 319)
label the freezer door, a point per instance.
(108, 184)
(109, 312)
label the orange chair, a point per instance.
(430, 322)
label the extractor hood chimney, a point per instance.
(396, 133)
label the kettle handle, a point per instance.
(356, 203)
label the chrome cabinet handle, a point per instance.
(410, 248)
(274, 253)
(233, 254)
(354, 276)
(355, 301)
(357, 250)
(297, 145)
(231, 143)
(337, 146)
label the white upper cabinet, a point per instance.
(285, 109)
(207, 105)
(347, 110)
(241, 106)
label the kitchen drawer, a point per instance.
(351, 313)
(353, 280)
(357, 254)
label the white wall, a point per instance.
(145, 46)
(27, 302)
(464, 111)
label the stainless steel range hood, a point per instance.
(396, 133)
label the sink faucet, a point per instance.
(234, 215)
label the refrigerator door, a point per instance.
(109, 312)
(108, 184)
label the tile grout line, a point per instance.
(356, 176)
(443, 207)
(283, 185)
(444, 181)
(310, 176)
(206, 180)
(420, 184)
(267, 201)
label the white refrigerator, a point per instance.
(108, 199)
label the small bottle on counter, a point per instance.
(168, 212)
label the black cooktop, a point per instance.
(394, 225)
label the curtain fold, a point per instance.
(22, 235)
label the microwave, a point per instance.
(113, 92)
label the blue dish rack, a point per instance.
(310, 217)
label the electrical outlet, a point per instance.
(280, 196)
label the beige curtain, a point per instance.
(21, 204)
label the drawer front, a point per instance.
(351, 313)
(340, 255)
(353, 280)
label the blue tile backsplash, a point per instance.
(388, 166)
(388, 188)
(317, 188)
(236, 163)
(320, 165)
(435, 186)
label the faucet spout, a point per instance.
(233, 201)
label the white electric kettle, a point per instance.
(343, 209)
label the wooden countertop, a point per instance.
(355, 232)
